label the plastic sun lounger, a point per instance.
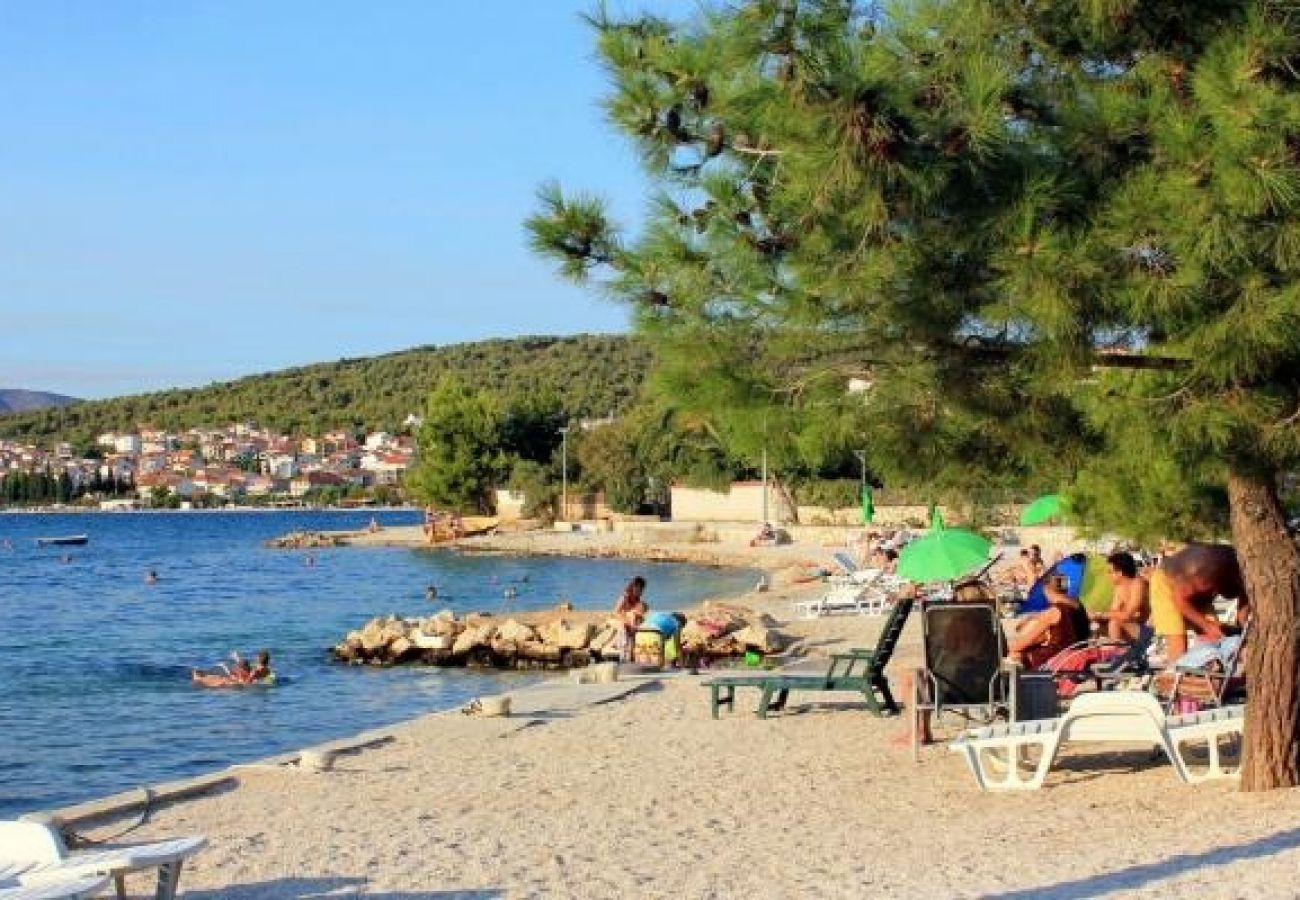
(855, 599)
(998, 755)
(844, 674)
(41, 850)
(1211, 682)
(54, 886)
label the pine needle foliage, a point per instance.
(970, 206)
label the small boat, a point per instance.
(66, 540)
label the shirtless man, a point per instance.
(1130, 606)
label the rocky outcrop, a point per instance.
(305, 540)
(561, 638)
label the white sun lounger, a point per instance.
(998, 754)
(861, 600)
(853, 573)
(32, 850)
(56, 887)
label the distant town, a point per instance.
(238, 464)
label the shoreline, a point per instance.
(644, 794)
(184, 789)
(601, 545)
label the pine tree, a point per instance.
(1030, 228)
(460, 459)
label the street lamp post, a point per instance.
(564, 473)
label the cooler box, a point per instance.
(648, 647)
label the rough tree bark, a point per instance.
(1270, 564)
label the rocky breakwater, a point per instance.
(305, 540)
(558, 639)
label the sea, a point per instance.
(95, 691)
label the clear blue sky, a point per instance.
(193, 191)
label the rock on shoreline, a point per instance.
(307, 540)
(560, 639)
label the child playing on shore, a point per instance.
(630, 611)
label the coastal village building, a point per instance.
(230, 464)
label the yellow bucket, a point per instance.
(648, 647)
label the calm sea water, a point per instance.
(95, 694)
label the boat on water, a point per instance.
(66, 540)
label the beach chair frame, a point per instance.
(990, 689)
(859, 670)
(999, 755)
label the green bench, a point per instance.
(861, 671)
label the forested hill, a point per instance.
(14, 400)
(591, 375)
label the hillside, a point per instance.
(13, 400)
(592, 375)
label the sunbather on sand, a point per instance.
(766, 536)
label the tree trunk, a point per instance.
(1270, 564)
(787, 497)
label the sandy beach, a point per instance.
(647, 796)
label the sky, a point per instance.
(191, 191)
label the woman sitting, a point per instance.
(766, 536)
(1040, 637)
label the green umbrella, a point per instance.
(943, 555)
(1044, 509)
(868, 507)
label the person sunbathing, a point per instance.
(1040, 637)
(766, 536)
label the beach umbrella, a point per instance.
(1044, 509)
(943, 554)
(868, 507)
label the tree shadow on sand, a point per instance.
(1143, 875)
(328, 888)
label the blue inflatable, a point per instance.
(1072, 567)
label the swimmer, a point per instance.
(65, 558)
(238, 674)
(151, 577)
(431, 592)
(510, 593)
(8, 544)
(309, 560)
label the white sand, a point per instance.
(648, 797)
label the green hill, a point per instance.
(592, 375)
(16, 400)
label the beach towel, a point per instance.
(1073, 665)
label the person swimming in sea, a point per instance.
(239, 674)
(151, 577)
